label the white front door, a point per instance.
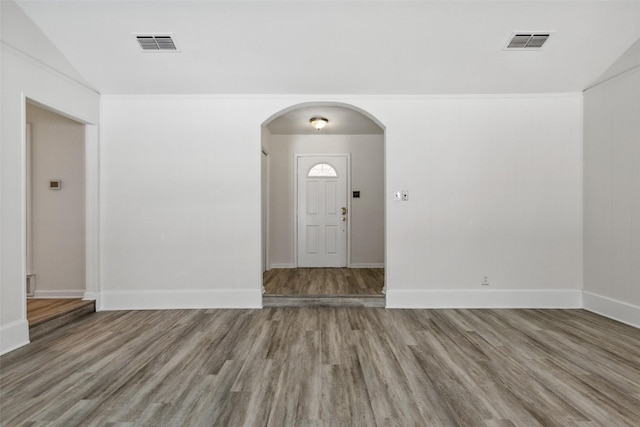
(322, 211)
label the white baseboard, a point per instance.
(180, 299)
(13, 336)
(285, 265)
(367, 265)
(485, 298)
(89, 296)
(611, 308)
(64, 293)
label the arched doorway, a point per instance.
(323, 233)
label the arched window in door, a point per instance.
(322, 170)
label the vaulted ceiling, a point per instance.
(338, 47)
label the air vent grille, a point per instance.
(156, 43)
(521, 41)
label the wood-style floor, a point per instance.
(42, 310)
(45, 315)
(327, 367)
(324, 281)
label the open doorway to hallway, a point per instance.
(323, 204)
(55, 186)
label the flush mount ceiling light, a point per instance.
(318, 122)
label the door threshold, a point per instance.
(369, 301)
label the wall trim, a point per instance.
(489, 298)
(340, 97)
(180, 299)
(63, 293)
(13, 336)
(366, 265)
(283, 265)
(612, 308)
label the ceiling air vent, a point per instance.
(156, 43)
(527, 41)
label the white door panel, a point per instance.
(322, 198)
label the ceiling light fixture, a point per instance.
(318, 122)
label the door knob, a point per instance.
(344, 218)
(344, 211)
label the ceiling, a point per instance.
(342, 121)
(337, 47)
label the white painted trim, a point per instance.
(283, 265)
(92, 210)
(367, 265)
(265, 224)
(612, 308)
(12, 336)
(90, 296)
(342, 97)
(28, 201)
(182, 299)
(490, 298)
(62, 293)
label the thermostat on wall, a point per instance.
(55, 184)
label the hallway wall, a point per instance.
(367, 176)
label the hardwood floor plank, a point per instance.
(45, 309)
(327, 367)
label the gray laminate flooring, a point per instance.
(323, 281)
(327, 367)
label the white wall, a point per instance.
(612, 197)
(367, 175)
(58, 216)
(25, 76)
(495, 188)
(181, 203)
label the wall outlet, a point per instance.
(485, 280)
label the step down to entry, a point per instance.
(370, 301)
(58, 320)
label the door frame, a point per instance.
(91, 202)
(265, 190)
(296, 156)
